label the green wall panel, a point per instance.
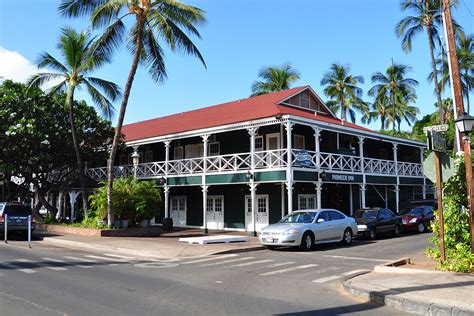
(227, 178)
(270, 176)
(191, 180)
(411, 180)
(380, 180)
(305, 175)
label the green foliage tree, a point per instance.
(425, 16)
(342, 88)
(275, 78)
(35, 137)
(158, 21)
(82, 55)
(394, 89)
(465, 54)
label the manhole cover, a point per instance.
(156, 265)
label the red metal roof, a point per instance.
(243, 110)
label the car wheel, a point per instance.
(307, 242)
(421, 227)
(347, 237)
(397, 231)
(373, 233)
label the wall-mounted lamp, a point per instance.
(249, 175)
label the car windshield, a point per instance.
(299, 217)
(366, 214)
(414, 211)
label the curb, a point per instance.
(391, 298)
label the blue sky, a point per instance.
(240, 37)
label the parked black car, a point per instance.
(372, 222)
(17, 216)
(418, 219)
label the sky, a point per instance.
(240, 37)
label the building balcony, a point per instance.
(264, 161)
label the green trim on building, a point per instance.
(191, 180)
(380, 180)
(305, 175)
(226, 178)
(270, 176)
(411, 180)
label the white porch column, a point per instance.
(166, 189)
(72, 200)
(282, 192)
(205, 139)
(362, 169)
(422, 159)
(289, 169)
(253, 187)
(319, 187)
(60, 212)
(317, 139)
(362, 195)
(395, 159)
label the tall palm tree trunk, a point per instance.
(118, 128)
(435, 75)
(382, 121)
(80, 162)
(343, 108)
(393, 108)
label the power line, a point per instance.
(467, 8)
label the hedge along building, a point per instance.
(244, 164)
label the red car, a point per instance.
(417, 219)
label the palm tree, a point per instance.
(426, 16)
(404, 111)
(164, 20)
(342, 88)
(394, 88)
(274, 79)
(465, 54)
(82, 55)
(379, 109)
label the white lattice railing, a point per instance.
(338, 162)
(232, 162)
(409, 169)
(379, 166)
(269, 159)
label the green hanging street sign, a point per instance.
(447, 167)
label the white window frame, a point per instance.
(259, 137)
(177, 198)
(301, 137)
(214, 145)
(213, 198)
(306, 197)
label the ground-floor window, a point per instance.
(306, 201)
(261, 214)
(178, 203)
(215, 203)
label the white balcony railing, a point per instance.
(269, 159)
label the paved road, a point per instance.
(47, 281)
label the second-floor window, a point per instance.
(298, 142)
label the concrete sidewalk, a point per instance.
(166, 246)
(416, 291)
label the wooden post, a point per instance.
(440, 205)
(470, 191)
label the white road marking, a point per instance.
(18, 268)
(40, 264)
(104, 258)
(119, 256)
(327, 279)
(73, 265)
(276, 265)
(226, 261)
(290, 269)
(80, 259)
(209, 259)
(356, 258)
(354, 272)
(249, 263)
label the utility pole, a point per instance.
(456, 82)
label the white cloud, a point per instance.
(15, 67)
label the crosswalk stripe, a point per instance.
(18, 268)
(327, 279)
(73, 265)
(250, 263)
(43, 265)
(103, 258)
(80, 259)
(280, 264)
(290, 269)
(210, 259)
(354, 272)
(355, 258)
(119, 256)
(226, 261)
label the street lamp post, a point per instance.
(464, 123)
(135, 159)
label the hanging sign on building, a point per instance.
(341, 177)
(303, 159)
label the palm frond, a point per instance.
(111, 90)
(48, 61)
(39, 79)
(100, 100)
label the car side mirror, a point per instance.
(320, 220)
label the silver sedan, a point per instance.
(304, 228)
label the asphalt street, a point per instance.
(46, 280)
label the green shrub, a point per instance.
(457, 241)
(132, 199)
